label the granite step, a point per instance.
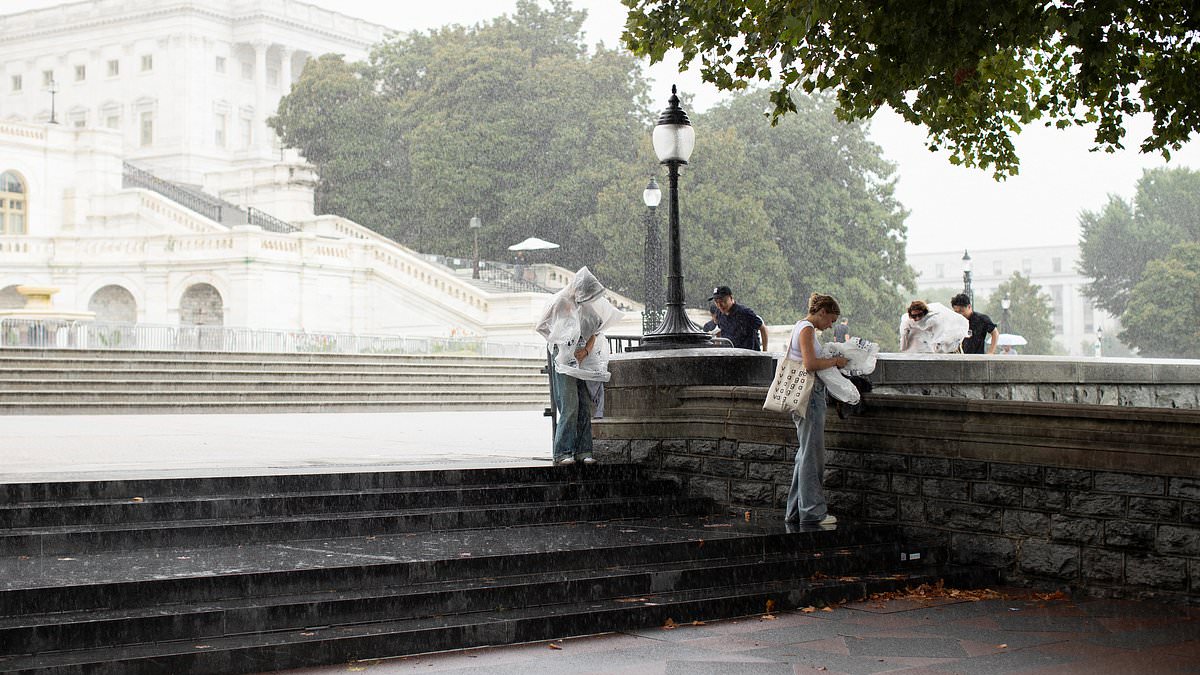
(140, 509)
(314, 405)
(66, 540)
(356, 605)
(66, 491)
(322, 645)
(13, 376)
(32, 389)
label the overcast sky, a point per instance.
(951, 207)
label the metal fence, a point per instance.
(63, 334)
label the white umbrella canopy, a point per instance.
(1011, 340)
(533, 244)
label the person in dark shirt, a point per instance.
(738, 323)
(711, 325)
(841, 332)
(979, 326)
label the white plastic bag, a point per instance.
(860, 353)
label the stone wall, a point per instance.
(1100, 498)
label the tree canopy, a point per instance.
(518, 122)
(1028, 314)
(971, 73)
(1131, 252)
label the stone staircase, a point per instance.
(253, 574)
(91, 382)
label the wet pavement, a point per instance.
(95, 447)
(1020, 632)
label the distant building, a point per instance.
(160, 196)
(1054, 268)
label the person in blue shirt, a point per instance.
(738, 323)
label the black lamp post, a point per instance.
(674, 139)
(652, 260)
(53, 89)
(1099, 341)
(966, 268)
(475, 225)
(1005, 305)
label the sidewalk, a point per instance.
(94, 447)
(1018, 633)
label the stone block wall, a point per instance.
(1104, 500)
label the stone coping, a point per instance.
(965, 369)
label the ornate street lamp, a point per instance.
(966, 268)
(1005, 305)
(475, 225)
(1099, 341)
(674, 139)
(652, 260)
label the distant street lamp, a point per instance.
(475, 225)
(966, 268)
(652, 260)
(53, 89)
(674, 138)
(1005, 305)
(1099, 341)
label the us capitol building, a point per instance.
(138, 177)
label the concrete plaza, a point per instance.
(95, 447)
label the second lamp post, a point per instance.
(652, 261)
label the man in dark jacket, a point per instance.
(737, 322)
(979, 326)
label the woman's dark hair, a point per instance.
(918, 306)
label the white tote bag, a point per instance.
(791, 388)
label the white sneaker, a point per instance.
(827, 520)
(590, 460)
(565, 461)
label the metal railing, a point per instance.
(268, 222)
(508, 277)
(62, 334)
(213, 208)
(209, 207)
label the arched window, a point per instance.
(13, 204)
(113, 304)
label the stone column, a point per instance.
(285, 71)
(260, 98)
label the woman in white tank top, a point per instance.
(806, 500)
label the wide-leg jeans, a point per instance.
(573, 437)
(806, 500)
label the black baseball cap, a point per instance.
(720, 291)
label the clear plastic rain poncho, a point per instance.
(574, 315)
(941, 331)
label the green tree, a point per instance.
(1028, 316)
(971, 73)
(1160, 319)
(1118, 242)
(514, 121)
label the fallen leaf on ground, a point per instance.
(1057, 595)
(768, 617)
(809, 610)
(826, 609)
(770, 606)
(137, 499)
(669, 624)
(553, 646)
(631, 599)
(697, 623)
(1004, 646)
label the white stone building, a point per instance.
(181, 89)
(1054, 268)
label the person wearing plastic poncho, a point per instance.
(573, 323)
(931, 328)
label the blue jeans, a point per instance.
(806, 501)
(573, 436)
